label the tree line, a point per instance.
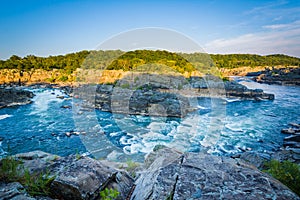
(116, 60)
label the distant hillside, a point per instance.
(61, 68)
(129, 60)
(132, 59)
(252, 60)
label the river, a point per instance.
(246, 125)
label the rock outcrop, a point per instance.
(291, 142)
(231, 89)
(172, 175)
(13, 97)
(162, 96)
(165, 174)
(281, 76)
(147, 100)
(77, 177)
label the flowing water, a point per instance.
(252, 125)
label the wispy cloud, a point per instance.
(292, 25)
(280, 38)
(266, 7)
(275, 26)
(280, 10)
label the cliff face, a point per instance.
(165, 174)
(82, 76)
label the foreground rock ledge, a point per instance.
(173, 175)
(166, 174)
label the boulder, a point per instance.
(37, 161)
(172, 175)
(77, 177)
(82, 179)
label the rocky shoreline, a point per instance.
(10, 96)
(281, 76)
(159, 99)
(289, 151)
(163, 96)
(165, 174)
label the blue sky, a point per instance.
(51, 27)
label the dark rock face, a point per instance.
(82, 179)
(12, 97)
(254, 73)
(232, 89)
(156, 99)
(142, 101)
(203, 176)
(291, 143)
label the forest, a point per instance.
(119, 60)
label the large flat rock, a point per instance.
(172, 175)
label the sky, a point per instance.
(53, 27)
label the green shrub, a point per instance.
(109, 194)
(51, 80)
(225, 79)
(63, 78)
(10, 169)
(286, 172)
(37, 184)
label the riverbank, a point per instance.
(11, 96)
(165, 174)
(280, 76)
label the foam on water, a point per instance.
(30, 127)
(42, 99)
(4, 116)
